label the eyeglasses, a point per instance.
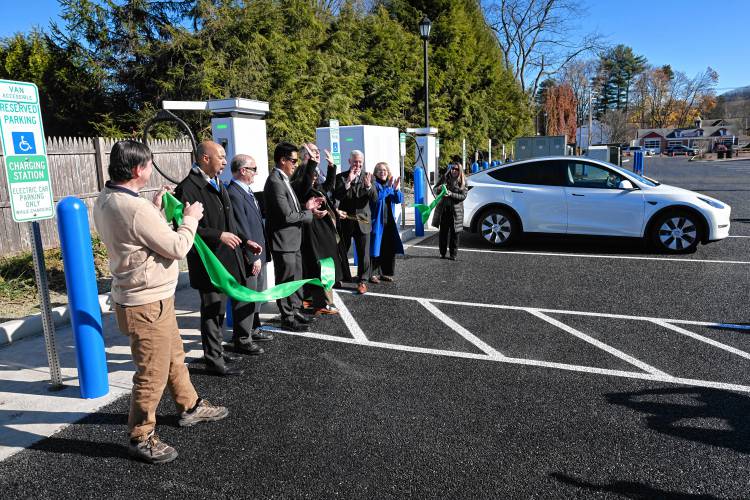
(251, 169)
(455, 169)
(293, 160)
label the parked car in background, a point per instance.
(575, 195)
(681, 149)
(651, 151)
(629, 150)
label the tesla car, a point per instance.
(582, 196)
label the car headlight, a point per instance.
(713, 203)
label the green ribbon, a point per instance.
(426, 210)
(224, 281)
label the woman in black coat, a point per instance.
(320, 238)
(449, 213)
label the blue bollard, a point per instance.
(474, 168)
(419, 197)
(485, 165)
(638, 162)
(229, 319)
(83, 297)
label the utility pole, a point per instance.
(591, 120)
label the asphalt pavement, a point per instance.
(558, 368)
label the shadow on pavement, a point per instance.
(709, 416)
(629, 489)
(80, 447)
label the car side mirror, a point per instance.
(625, 184)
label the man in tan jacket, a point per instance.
(143, 252)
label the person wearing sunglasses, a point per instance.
(449, 213)
(249, 218)
(285, 217)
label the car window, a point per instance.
(586, 175)
(544, 173)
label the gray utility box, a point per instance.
(540, 145)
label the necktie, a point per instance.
(252, 197)
(213, 183)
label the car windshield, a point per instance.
(640, 178)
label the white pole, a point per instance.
(463, 153)
(489, 154)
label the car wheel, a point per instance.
(676, 232)
(498, 227)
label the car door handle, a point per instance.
(576, 194)
(515, 191)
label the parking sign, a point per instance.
(22, 137)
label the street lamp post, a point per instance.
(424, 30)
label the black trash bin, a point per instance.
(729, 153)
(720, 155)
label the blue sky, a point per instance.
(688, 34)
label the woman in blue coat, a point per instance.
(385, 240)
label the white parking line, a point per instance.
(489, 350)
(525, 362)
(594, 256)
(707, 340)
(565, 311)
(601, 345)
(348, 319)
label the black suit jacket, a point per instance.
(249, 221)
(355, 200)
(283, 220)
(217, 218)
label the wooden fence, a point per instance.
(78, 167)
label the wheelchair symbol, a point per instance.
(23, 142)
(23, 145)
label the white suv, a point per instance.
(573, 195)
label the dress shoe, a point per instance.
(294, 326)
(442, 255)
(228, 358)
(329, 309)
(388, 279)
(227, 371)
(260, 336)
(249, 348)
(362, 288)
(453, 257)
(374, 279)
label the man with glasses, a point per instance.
(247, 214)
(285, 217)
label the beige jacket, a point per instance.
(143, 249)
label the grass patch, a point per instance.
(18, 282)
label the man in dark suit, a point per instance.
(249, 220)
(217, 228)
(354, 191)
(284, 219)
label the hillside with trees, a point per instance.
(109, 64)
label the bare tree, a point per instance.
(579, 74)
(535, 37)
(616, 123)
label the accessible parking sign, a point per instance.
(26, 166)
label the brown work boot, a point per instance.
(202, 412)
(152, 450)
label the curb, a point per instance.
(17, 329)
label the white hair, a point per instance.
(356, 152)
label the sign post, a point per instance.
(335, 142)
(29, 187)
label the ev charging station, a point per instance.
(426, 152)
(376, 143)
(239, 125)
